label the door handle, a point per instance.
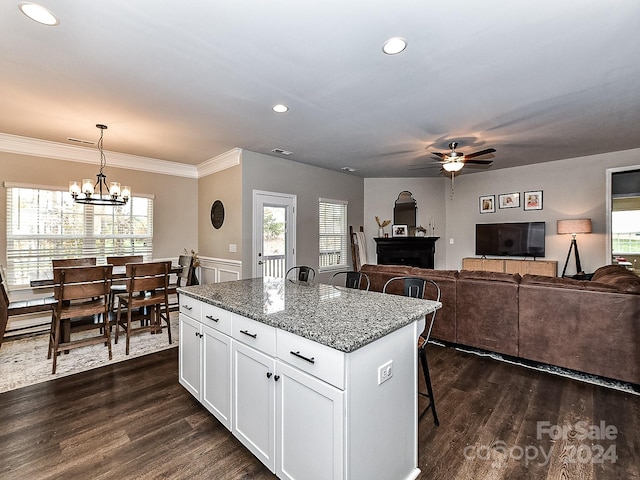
(260, 262)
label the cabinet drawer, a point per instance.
(190, 307)
(258, 335)
(217, 318)
(318, 360)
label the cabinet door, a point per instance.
(310, 427)
(216, 374)
(253, 413)
(189, 355)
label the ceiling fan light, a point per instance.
(453, 166)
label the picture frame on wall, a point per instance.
(487, 204)
(509, 200)
(399, 231)
(533, 200)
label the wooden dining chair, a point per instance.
(184, 279)
(120, 285)
(147, 289)
(82, 294)
(73, 262)
(22, 307)
(415, 287)
(352, 279)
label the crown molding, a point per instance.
(221, 162)
(72, 153)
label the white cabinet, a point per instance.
(205, 366)
(216, 374)
(254, 401)
(305, 410)
(310, 427)
(190, 357)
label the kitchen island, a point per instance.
(316, 381)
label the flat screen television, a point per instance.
(520, 239)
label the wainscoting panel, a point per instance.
(216, 270)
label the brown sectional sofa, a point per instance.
(588, 326)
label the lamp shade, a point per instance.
(579, 225)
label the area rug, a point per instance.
(24, 361)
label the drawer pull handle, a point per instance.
(210, 317)
(187, 307)
(252, 335)
(306, 359)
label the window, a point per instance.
(333, 234)
(44, 223)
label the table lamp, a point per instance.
(575, 226)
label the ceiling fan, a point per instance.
(454, 161)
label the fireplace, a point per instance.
(411, 251)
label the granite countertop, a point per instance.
(341, 318)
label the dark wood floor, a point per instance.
(133, 420)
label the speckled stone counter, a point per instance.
(338, 317)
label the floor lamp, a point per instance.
(580, 225)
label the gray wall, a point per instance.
(273, 174)
(572, 188)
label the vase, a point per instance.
(380, 232)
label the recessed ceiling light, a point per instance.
(348, 169)
(38, 13)
(280, 108)
(394, 45)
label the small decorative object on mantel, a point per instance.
(400, 231)
(381, 225)
(421, 231)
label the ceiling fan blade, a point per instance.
(479, 162)
(481, 152)
(441, 155)
(421, 167)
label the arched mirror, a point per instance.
(404, 211)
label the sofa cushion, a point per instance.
(489, 276)
(559, 282)
(618, 277)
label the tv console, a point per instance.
(548, 268)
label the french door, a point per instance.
(274, 233)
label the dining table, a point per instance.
(45, 278)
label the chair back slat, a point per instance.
(73, 262)
(186, 262)
(147, 276)
(76, 283)
(352, 279)
(122, 260)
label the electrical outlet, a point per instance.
(385, 372)
(451, 241)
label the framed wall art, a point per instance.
(533, 200)
(488, 204)
(509, 200)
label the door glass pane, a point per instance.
(273, 241)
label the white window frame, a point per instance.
(23, 265)
(340, 230)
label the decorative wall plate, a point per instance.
(217, 214)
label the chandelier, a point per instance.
(99, 194)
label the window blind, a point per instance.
(45, 223)
(332, 234)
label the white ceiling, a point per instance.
(185, 81)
